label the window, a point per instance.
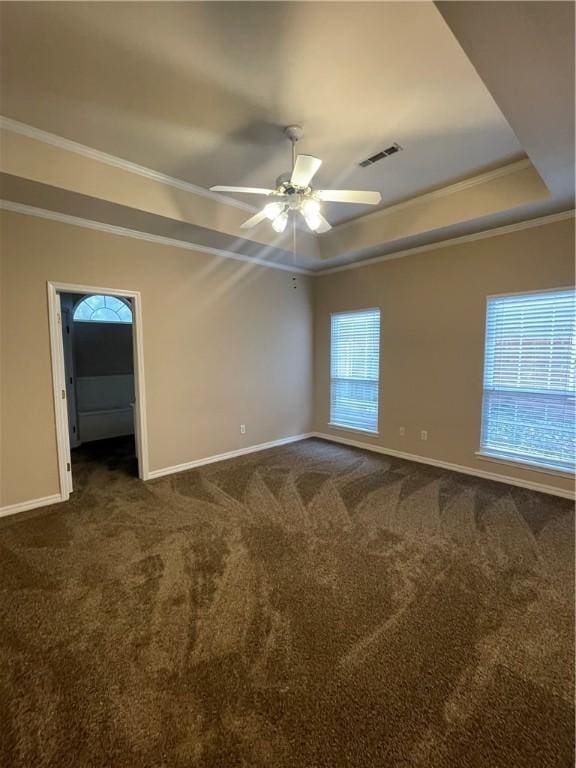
(354, 364)
(529, 400)
(103, 309)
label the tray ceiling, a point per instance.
(200, 91)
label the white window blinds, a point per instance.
(354, 365)
(528, 412)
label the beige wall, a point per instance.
(432, 337)
(225, 343)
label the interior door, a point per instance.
(67, 336)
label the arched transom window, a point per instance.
(103, 309)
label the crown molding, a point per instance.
(450, 189)
(60, 142)
(22, 129)
(29, 131)
(112, 229)
(486, 233)
(65, 218)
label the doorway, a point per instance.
(97, 365)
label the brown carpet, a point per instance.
(311, 606)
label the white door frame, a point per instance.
(59, 378)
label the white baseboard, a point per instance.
(152, 475)
(24, 506)
(57, 498)
(541, 487)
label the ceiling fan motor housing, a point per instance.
(285, 187)
(283, 180)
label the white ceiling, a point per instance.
(200, 91)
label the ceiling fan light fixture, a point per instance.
(310, 207)
(313, 220)
(273, 210)
(279, 223)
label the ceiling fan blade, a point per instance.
(324, 225)
(253, 220)
(348, 196)
(246, 190)
(304, 169)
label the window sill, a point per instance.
(354, 429)
(524, 465)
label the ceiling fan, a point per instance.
(293, 193)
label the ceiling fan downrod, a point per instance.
(294, 133)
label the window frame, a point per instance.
(508, 461)
(103, 322)
(332, 424)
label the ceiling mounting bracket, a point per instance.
(294, 132)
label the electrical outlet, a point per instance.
(242, 429)
(424, 434)
(402, 431)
